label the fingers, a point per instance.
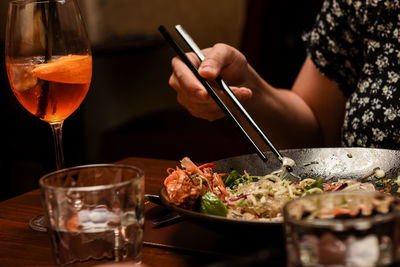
(192, 94)
(242, 93)
(206, 110)
(184, 81)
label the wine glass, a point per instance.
(49, 64)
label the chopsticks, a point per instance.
(194, 47)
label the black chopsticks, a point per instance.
(189, 41)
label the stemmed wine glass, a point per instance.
(49, 64)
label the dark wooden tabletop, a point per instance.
(21, 246)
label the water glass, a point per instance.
(343, 229)
(95, 212)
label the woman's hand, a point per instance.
(313, 109)
(221, 60)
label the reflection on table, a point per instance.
(180, 244)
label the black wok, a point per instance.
(325, 163)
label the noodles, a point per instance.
(265, 198)
(247, 197)
(266, 195)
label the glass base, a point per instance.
(38, 223)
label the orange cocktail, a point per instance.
(51, 91)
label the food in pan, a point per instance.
(186, 184)
(245, 196)
(263, 197)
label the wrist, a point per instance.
(256, 83)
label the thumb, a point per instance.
(215, 60)
(210, 68)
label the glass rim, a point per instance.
(341, 224)
(94, 187)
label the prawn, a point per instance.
(187, 183)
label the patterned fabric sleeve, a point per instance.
(333, 43)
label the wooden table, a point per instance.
(21, 246)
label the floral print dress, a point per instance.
(357, 44)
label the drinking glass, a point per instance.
(49, 63)
(95, 212)
(343, 229)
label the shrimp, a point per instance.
(187, 183)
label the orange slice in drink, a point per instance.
(75, 69)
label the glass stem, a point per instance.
(58, 145)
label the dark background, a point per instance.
(270, 39)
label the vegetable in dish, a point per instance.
(244, 196)
(211, 204)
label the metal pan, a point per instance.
(325, 163)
